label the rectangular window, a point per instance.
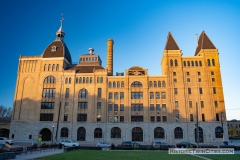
(99, 105)
(189, 90)
(136, 107)
(115, 95)
(155, 84)
(164, 107)
(152, 118)
(190, 104)
(99, 92)
(48, 93)
(82, 105)
(121, 118)
(109, 107)
(203, 117)
(65, 117)
(30, 136)
(177, 117)
(191, 117)
(199, 73)
(67, 93)
(212, 73)
(98, 117)
(158, 118)
(121, 107)
(175, 91)
(175, 80)
(215, 103)
(157, 107)
(66, 105)
(214, 90)
(213, 79)
(151, 107)
(136, 118)
(163, 95)
(109, 118)
(164, 118)
(47, 105)
(174, 73)
(200, 90)
(121, 95)
(217, 117)
(188, 79)
(176, 104)
(110, 95)
(151, 95)
(115, 107)
(136, 95)
(82, 117)
(115, 118)
(46, 117)
(188, 73)
(199, 80)
(202, 104)
(157, 95)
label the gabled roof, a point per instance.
(171, 43)
(204, 43)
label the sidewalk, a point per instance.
(34, 155)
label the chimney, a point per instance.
(110, 43)
(90, 50)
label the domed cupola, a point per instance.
(58, 48)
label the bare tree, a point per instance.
(5, 114)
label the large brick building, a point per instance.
(86, 102)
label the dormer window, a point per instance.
(54, 48)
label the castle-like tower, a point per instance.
(86, 102)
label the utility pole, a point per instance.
(197, 125)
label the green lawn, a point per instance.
(222, 156)
(117, 155)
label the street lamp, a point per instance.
(222, 125)
(52, 133)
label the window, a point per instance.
(174, 80)
(199, 79)
(57, 67)
(82, 105)
(49, 80)
(101, 79)
(158, 118)
(215, 103)
(157, 95)
(46, 117)
(174, 74)
(121, 118)
(202, 104)
(151, 95)
(191, 117)
(188, 73)
(115, 107)
(115, 95)
(67, 93)
(99, 92)
(152, 118)
(208, 62)
(99, 105)
(98, 133)
(190, 104)
(217, 117)
(184, 63)
(164, 107)
(136, 107)
(188, 62)
(163, 84)
(176, 62)
(177, 117)
(64, 132)
(157, 107)
(152, 107)
(176, 104)
(109, 107)
(90, 79)
(136, 95)
(219, 132)
(213, 79)
(155, 84)
(212, 73)
(83, 79)
(49, 66)
(76, 79)
(115, 132)
(159, 83)
(121, 95)
(70, 80)
(65, 117)
(188, 79)
(200, 63)
(136, 118)
(66, 105)
(121, 107)
(178, 133)
(171, 62)
(122, 84)
(98, 117)
(87, 79)
(203, 117)
(45, 67)
(200, 90)
(83, 93)
(213, 62)
(136, 84)
(214, 90)
(109, 84)
(48, 93)
(189, 90)
(164, 118)
(199, 73)
(118, 84)
(110, 119)
(163, 95)
(175, 91)
(80, 80)
(115, 119)
(114, 84)
(196, 63)
(192, 63)
(150, 84)
(47, 105)
(97, 79)
(110, 95)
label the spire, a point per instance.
(204, 43)
(60, 33)
(171, 43)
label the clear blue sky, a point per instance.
(139, 29)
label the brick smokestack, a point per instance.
(110, 57)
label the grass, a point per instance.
(117, 155)
(222, 156)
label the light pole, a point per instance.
(222, 125)
(52, 133)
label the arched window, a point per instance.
(110, 95)
(196, 63)
(97, 79)
(90, 79)
(53, 67)
(159, 132)
(150, 84)
(178, 133)
(81, 134)
(57, 67)
(184, 63)
(80, 80)
(116, 95)
(136, 84)
(83, 93)
(208, 62)
(213, 62)
(114, 84)
(200, 133)
(200, 63)
(171, 62)
(66, 81)
(98, 133)
(76, 79)
(49, 80)
(219, 132)
(109, 84)
(45, 67)
(87, 80)
(155, 84)
(159, 83)
(137, 134)
(163, 84)
(83, 79)
(115, 132)
(101, 80)
(70, 80)
(176, 62)
(118, 84)
(188, 63)
(192, 63)
(64, 132)
(49, 67)
(122, 84)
